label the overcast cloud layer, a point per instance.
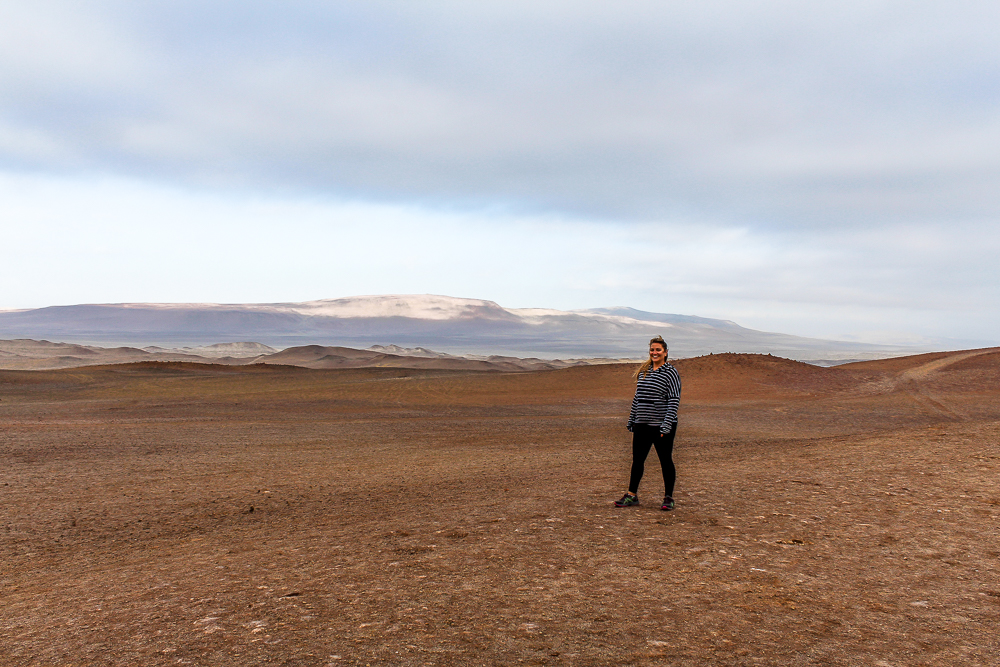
(820, 170)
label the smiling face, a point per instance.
(657, 353)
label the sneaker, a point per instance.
(668, 504)
(628, 500)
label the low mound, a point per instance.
(986, 361)
(968, 373)
(755, 375)
(963, 371)
(319, 356)
(896, 364)
(306, 354)
(26, 354)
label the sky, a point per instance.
(821, 169)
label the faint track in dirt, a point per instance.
(922, 371)
(912, 383)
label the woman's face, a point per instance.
(657, 353)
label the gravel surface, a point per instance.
(181, 514)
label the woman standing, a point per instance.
(653, 422)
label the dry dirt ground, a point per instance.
(177, 514)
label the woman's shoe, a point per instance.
(668, 504)
(628, 500)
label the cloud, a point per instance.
(777, 114)
(822, 168)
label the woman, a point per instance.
(653, 422)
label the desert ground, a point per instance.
(199, 514)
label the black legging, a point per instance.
(645, 436)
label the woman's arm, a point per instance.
(672, 392)
(631, 414)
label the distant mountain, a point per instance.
(240, 350)
(448, 324)
(26, 354)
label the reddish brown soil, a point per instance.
(166, 514)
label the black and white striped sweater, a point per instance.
(657, 397)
